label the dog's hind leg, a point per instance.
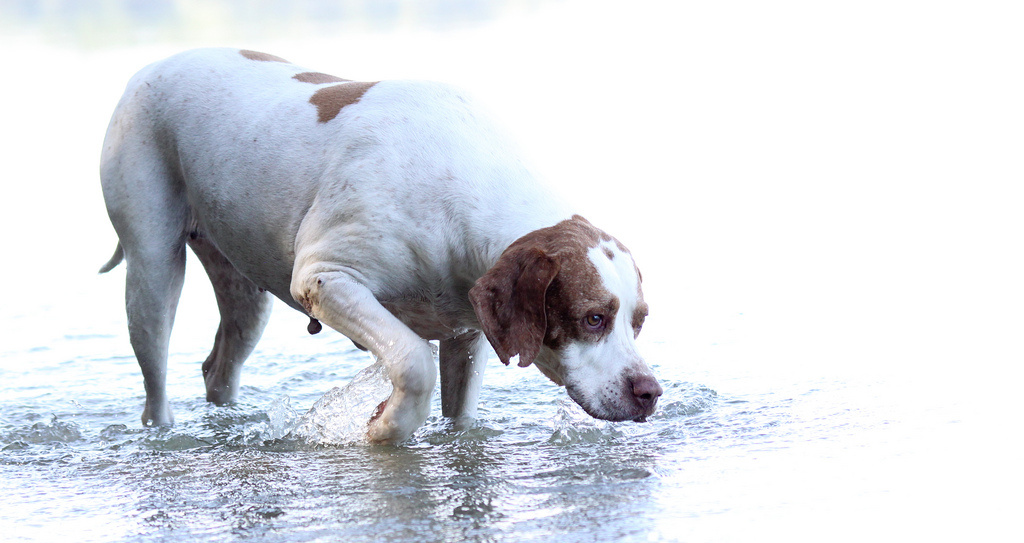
(145, 197)
(244, 312)
(152, 231)
(151, 297)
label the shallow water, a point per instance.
(826, 226)
(789, 459)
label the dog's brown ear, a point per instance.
(509, 301)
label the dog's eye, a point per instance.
(594, 321)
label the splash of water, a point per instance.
(281, 418)
(341, 415)
(55, 432)
(574, 425)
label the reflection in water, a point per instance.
(460, 491)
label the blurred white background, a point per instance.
(830, 184)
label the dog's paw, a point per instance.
(393, 422)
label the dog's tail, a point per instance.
(114, 260)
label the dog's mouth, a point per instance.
(603, 413)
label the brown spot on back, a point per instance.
(263, 57)
(608, 252)
(330, 100)
(318, 78)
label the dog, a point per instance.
(393, 212)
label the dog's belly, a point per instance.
(262, 257)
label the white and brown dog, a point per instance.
(392, 212)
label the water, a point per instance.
(749, 455)
(827, 228)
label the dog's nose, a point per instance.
(646, 390)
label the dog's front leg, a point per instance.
(337, 300)
(463, 359)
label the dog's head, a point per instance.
(568, 299)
